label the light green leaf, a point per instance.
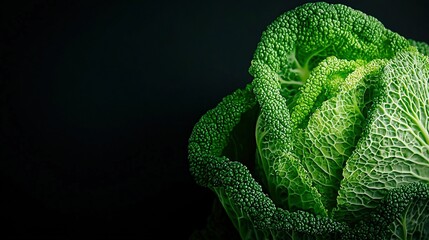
(395, 147)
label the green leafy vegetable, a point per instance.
(329, 140)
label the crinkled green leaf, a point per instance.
(334, 128)
(395, 148)
(402, 214)
(412, 223)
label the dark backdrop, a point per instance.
(98, 100)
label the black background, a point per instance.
(98, 100)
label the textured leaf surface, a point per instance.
(289, 50)
(402, 214)
(395, 148)
(413, 223)
(335, 127)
